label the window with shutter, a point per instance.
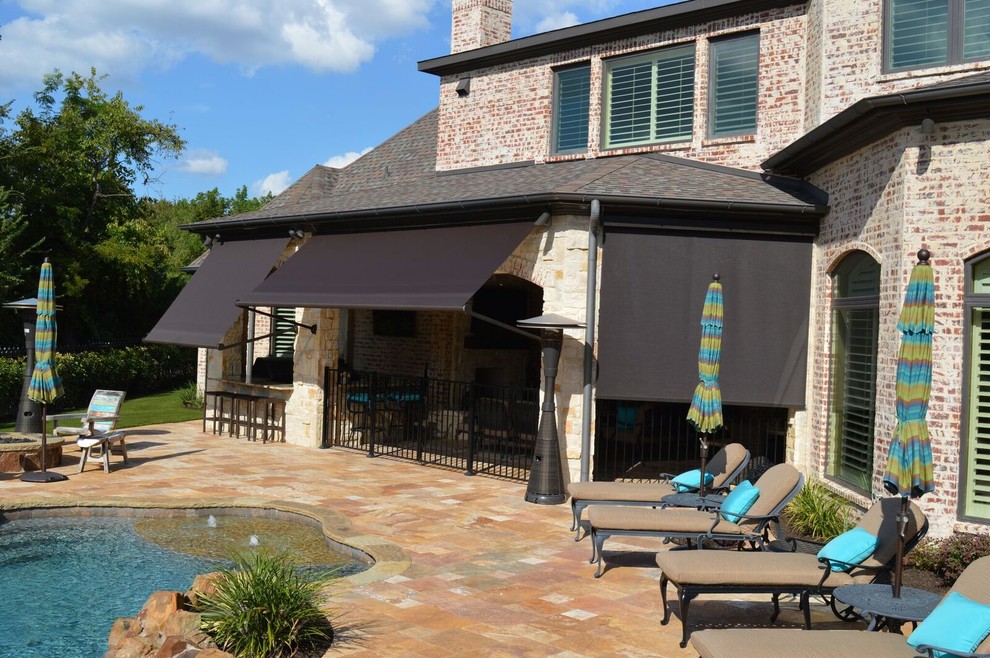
(855, 325)
(283, 342)
(650, 98)
(975, 499)
(735, 65)
(922, 33)
(572, 88)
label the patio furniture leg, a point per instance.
(598, 541)
(776, 607)
(663, 599)
(806, 604)
(685, 601)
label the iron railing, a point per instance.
(475, 428)
(637, 441)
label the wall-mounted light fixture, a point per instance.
(207, 241)
(463, 87)
(542, 220)
(296, 233)
(927, 126)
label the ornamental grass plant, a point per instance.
(265, 606)
(818, 513)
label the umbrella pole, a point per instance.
(44, 438)
(704, 458)
(43, 475)
(902, 521)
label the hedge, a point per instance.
(138, 370)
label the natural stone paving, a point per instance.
(464, 566)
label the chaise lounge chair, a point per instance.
(801, 574)
(725, 466)
(100, 417)
(973, 583)
(776, 488)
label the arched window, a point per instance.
(855, 322)
(975, 499)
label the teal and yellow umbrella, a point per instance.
(705, 413)
(909, 472)
(45, 386)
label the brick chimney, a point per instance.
(480, 23)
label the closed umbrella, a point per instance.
(705, 413)
(909, 462)
(46, 385)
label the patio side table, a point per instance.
(877, 602)
(692, 499)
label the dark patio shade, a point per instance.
(414, 269)
(205, 309)
(648, 325)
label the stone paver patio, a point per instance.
(464, 565)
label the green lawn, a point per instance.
(147, 410)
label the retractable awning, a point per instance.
(653, 283)
(412, 269)
(204, 310)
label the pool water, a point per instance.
(65, 580)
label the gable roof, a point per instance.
(627, 26)
(875, 117)
(396, 185)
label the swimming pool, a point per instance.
(66, 579)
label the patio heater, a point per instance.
(546, 476)
(28, 420)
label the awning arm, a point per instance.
(311, 327)
(507, 327)
(223, 346)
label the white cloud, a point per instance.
(203, 162)
(273, 183)
(124, 37)
(341, 161)
(557, 21)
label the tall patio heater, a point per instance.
(546, 476)
(28, 420)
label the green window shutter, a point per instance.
(571, 110)
(856, 394)
(735, 65)
(675, 96)
(977, 495)
(918, 33)
(283, 343)
(630, 96)
(650, 98)
(976, 29)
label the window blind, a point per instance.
(977, 495)
(735, 80)
(573, 90)
(651, 98)
(976, 30)
(919, 33)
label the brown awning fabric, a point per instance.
(652, 294)
(205, 309)
(414, 269)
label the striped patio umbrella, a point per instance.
(705, 413)
(909, 461)
(45, 386)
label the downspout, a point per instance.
(589, 338)
(249, 351)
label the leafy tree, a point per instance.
(71, 164)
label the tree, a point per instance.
(71, 165)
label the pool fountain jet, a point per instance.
(212, 521)
(254, 541)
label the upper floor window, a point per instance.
(924, 33)
(975, 497)
(572, 88)
(650, 98)
(735, 65)
(855, 333)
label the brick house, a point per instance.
(603, 172)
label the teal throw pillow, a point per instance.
(958, 623)
(691, 480)
(739, 500)
(851, 547)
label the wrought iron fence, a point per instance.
(637, 441)
(463, 426)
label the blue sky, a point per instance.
(261, 90)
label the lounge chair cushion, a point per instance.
(691, 480)
(620, 491)
(958, 623)
(791, 642)
(749, 568)
(850, 548)
(739, 501)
